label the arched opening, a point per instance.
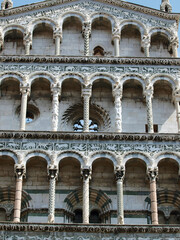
(130, 44)
(164, 112)
(42, 42)
(39, 105)
(101, 35)
(95, 216)
(78, 216)
(6, 5)
(2, 215)
(133, 107)
(13, 43)
(37, 184)
(72, 42)
(159, 45)
(9, 101)
(98, 51)
(136, 188)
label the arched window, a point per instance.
(79, 124)
(94, 216)
(98, 51)
(7, 5)
(78, 216)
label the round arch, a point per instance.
(136, 77)
(70, 154)
(44, 75)
(10, 154)
(146, 159)
(165, 155)
(48, 21)
(164, 31)
(164, 77)
(78, 15)
(96, 76)
(41, 154)
(140, 26)
(106, 155)
(17, 76)
(78, 77)
(8, 28)
(109, 17)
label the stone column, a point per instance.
(52, 173)
(86, 32)
(57, 35)
(120, 172)
(86, 175)
(27, 42)
(176, 98)
(86, 94)
(56, 91)
(117, 94)
(25, 91)
(153, 173)
(149, 95)
(145, 44)
(116, 35)
(174, 46)
(20, 172)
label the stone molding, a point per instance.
(92, 136)
(129, 6)
(38, 227)
(85, 59)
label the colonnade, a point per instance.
(86, 177)
(86, 33)
(86, 93)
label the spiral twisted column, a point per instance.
(145, 44)
(57, 35)
(25, 92)
(117, 94)
(20, 173)
(86, 176)
(52, 173)
(120, 173)
(86, 32)
(56, 91)
(149, 95)
(86, 94)
(153, 173)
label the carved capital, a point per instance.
(119, 173)
(86, 172)
(27, 38)
(52, 172)
(116, 33)
(152, 173)
(20, 170)
(145, 41)
(174, 42)
(25, 88)
(57, 32)
(117, 90)
(86, 91)
(149, 91)
(56, 89)
(86, 29)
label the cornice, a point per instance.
(95, 228)
(89, 136)
(123, 4)
(91, 59)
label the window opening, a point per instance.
(78, 216)
(79, 125)
(98, 51)
(155, 127)
(29, 117)
(94, 217)
(6, 5)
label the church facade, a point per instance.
(90, 121)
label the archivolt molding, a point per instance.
(45, 75)
(68, 14)
(164, 77)
(165, 31)
(13, 75)
(102, 75)
(141, 27)
(138, 77)
(9, 153)
(37, 153)
(67, 75)
(10, 27)
(49, 21)
(71, 154)
(137, 155)
(103, 154)
(163, 155)
(105, 15)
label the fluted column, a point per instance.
(25, 91)
(57, 35)
(86, 32)
(116, 35)
(119, 173)
(145, 44)
(56, 91)
(176, 98)
(149, 95)
(153, 173)
(52, 173)
(86, 175)
(86, 94)
(19, 172)
(117, 94)
(27, 42)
